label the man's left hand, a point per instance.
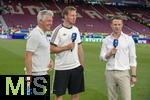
(133, 81)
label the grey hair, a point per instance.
(42, 13)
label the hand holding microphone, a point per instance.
(73, 38)
(115, 44)
(113, 50)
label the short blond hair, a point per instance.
(67, 9)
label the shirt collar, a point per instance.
(67, 27)
(41, 31)
(120, 34)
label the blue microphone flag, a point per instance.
(115, 43)
(73, 37)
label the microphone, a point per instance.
(73, 38)
(115, 43)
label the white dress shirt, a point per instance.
(125, 56)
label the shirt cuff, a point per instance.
(133, 64)
(103, 58)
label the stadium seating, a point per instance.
(24, 13)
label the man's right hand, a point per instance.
(28, 62)
(70, 46)
(113, 51)
(57, 49)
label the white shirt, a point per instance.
(61, 37)
(125, 56)
(39, 45)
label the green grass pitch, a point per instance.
(12, 63)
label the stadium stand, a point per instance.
(91, 18)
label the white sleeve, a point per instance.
(32, 42)
(78, 40)
(103, 52)
(55, 37)
(132, 53)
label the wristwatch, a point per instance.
(133, 76)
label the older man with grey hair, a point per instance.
(37, 55)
